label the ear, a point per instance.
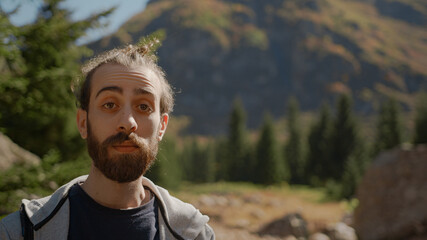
(164, 119)
(82, 122)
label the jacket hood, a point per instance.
(38, 210)
(182, 217)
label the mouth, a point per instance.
(125, 147)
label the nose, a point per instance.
(127, 123)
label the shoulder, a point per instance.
(183, 218)
(40, 209)
(174, 207)
(10, 226)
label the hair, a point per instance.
(131, 57)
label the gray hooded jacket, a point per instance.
(49, 216)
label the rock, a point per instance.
(319, 236)
(256, 199)
(10, 154)
(53, 185)
(258, 213)
(206, 200)
(290, 237)
(234, 202)
(242, 223)
(289, 225)
(341, 231)
(213, 200)
(347, 218)
(393, 195)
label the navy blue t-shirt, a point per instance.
(90, 220)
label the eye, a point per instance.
(109, 105)
(144, 108)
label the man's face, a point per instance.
(123, 125)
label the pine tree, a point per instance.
(210, 162)
(10, 62)
(221, 160)
(294, 149)
(389, 127)
(344, 137)
(354, 170)
(269, 164)
(420, 131)
(239, 167)
(186, 160)
(348, 153)
(37, 104)
(200, 162)
(10, 59)
(319, 142)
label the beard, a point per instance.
(121, 167)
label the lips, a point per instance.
(125, 147)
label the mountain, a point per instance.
(266, 51)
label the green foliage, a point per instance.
(269, 164)
(344, 137)
(9, 51)
(389, 127)
(35, 181)
(212, 17)
(347, 151)
(420, 130)
(62, 172)
(152, 42)
(38, 111)
(319, 141)
(221, 160)
(37, 63)
(294, 153)
(354, 170)
(166, 170)
(199, 162)
(255, 37)
(237, 146)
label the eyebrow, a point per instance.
(141, 91)
(110, 88)
(137, 91)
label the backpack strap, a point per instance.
(26, 225)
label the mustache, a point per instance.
(121, 137)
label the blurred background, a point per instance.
(293, 110)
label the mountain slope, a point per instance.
(266, 51)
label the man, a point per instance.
(124, 106)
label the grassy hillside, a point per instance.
(240, 211)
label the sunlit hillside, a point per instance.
(266, 51)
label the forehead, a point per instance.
(116, 75)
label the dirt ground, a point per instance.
(242, 215)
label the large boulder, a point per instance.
(10, 154)
(393, 197)
(290, 225)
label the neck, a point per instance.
(115, 195)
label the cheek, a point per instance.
(100, 127)
(150, 125)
